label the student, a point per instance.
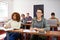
(23, 20)
(53, 29)
(29, 18)
(53, 17)
(40, 24)
(14, 23)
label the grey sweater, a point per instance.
(40, 24)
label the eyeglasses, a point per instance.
(38, 12)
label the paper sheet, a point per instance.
(26, 30)
(58, 28)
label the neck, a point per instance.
(39, 18)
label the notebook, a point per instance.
(52, 22)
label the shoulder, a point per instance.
(43, 19)
(10, 20)
(56, 18)
(34, 18)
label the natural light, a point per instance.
(3, 10)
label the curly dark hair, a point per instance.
(17, 16)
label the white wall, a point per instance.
(10, 6)
(24, 6)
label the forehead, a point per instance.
(39, 11)
(14, 15)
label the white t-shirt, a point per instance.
(14, 24)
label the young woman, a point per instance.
(14, 23)
(40, 24)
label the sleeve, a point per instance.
(32, 25)
(47, 26)
(57, 22)
(8, 23)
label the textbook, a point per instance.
(8, 29)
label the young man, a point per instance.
(40, 24)
(53, 17)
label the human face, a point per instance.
(39, 13)
(53, 16)
(22, 16)
(27, 15)
(14, 16)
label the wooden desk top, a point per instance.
(27, 24)
(48, 33)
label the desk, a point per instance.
(48, 33)
(53, 28)
(26, 26)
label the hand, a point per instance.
(35, 29)
(31, 29)
(21, 30)
(41, 30)
(6, 27)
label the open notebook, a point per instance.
(52, 22)
(26, 30)
(2, 28)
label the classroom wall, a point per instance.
(24, 6)
(10, 6)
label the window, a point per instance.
(3, 10)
